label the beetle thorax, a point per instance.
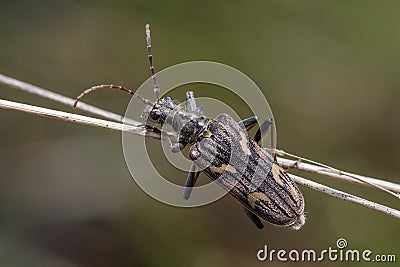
(187, 124)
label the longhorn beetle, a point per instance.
(223, 150)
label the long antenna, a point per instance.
(150, 56)
(104, 86)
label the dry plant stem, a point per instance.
(287, 163)
(345, 196)
(11, 82)
(70, 117)
(65, 116)
(336, 173)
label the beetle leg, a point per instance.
(254, 218)
(175, 146)
(190, 101)
(190, 181)
(263, 130)
(249, 123)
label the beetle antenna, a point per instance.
(150, 56)
(97, 87)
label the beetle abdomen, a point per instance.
(228, 155)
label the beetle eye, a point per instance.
(154, 115)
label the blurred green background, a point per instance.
(329, 69)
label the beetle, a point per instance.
(223, 150)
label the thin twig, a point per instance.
(323, 169)
(14, 83)
(363, 180)
(65, 116)
(75, 118)
(345, 196)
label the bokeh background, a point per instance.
(329, 69)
